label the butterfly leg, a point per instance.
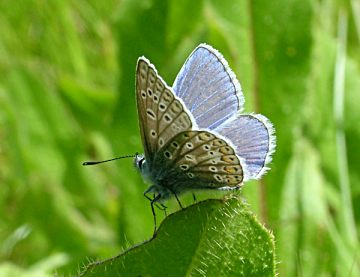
(160, 206)
(152, 202)
(163, 208)
(177, 199)
(194, 197)
(147, 197)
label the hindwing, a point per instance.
(197, 160)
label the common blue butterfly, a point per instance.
(194, 134)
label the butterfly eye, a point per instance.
(141, 163)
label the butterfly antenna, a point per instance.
(105, 161)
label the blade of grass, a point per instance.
(348, 224)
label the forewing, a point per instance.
(197, 160)
(254, 141)
(209, 88)
(161, 114)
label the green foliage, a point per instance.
(211, 238)
(67, 95)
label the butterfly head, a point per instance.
(139, 161)
(141, 164)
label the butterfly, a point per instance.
(194, 134)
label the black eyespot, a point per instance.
(161, 141)
(206, 147)
(149, 91)
(191, 175)
(189, 145)
(167, 118)
(188, 157)
(151, 114)
(167, 96)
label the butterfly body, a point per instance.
(193, 134)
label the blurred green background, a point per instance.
(67, 96)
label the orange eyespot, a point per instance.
(218, 142)
(231, 169)
(226, 150)
(228, 159)
(204, 136)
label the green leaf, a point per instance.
(211, 238)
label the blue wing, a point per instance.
(254, 141)
(209, 88)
